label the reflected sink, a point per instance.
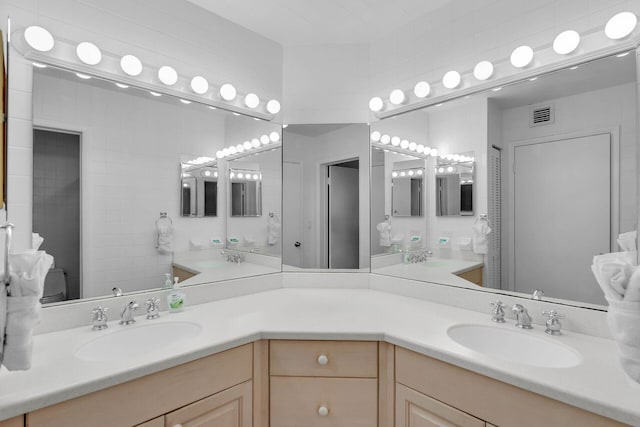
(515, 346)
(136, 340)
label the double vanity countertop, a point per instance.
(597, 384)
(435, 270)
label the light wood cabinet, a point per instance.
(13, 422)
(229, 408)
(474, 276)
(156, 422)
(182, 274)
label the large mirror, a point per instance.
(326, 197)
(553, 182)
(127, 188)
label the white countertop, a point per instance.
(435, 270)
(598, 384)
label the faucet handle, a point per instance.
(497, 313)
(537, 294)
(553, 322)
(153, 308)
(99, 318)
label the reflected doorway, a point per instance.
(342, 214)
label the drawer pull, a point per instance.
(323, 360)
(323, 411)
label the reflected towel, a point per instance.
(273, 230)
(627, 241)
(481, 230)
(385, 233)
(164, 238)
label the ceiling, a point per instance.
(305, 22)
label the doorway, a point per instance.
(56, 201)
(342, 214)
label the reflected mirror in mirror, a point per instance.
(406, 189)
(199, 186)
(326, 197)
(105, 158)
(245, 188)
(454, 185)
(554, 182)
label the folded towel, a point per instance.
(164, 238)
(273, 230)
(612, 272)
(632, 293)
(623, 318)
(481, 230)
(627, 241)
(385, 233)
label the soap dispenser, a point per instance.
(175, 298)
(167, 282)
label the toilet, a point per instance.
(55, 286)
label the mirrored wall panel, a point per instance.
(326, 197)
(128, 187)
(524, 184)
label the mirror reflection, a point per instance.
(326, 197)
(553, 178)
(406, 190)
(105, 195)
(245, 191)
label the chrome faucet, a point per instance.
(523, 320)
(153, 308)
(553, 322)
(233, 257)
(417, 257)
(99, 318)
(126, 316)
(497, 312)
(117, 292)
(537, 294)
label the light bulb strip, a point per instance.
(244, 175)
(256, 145)
(408, 173)
(402, 146)
(482, 80)
(64, 56)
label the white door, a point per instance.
(562, 215)
(292, 245)
(344, 231)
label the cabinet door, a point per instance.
(229, 408)
(415, 409)
(156, 422)
(17, 421)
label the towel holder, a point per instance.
(8, 228)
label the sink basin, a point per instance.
(515, 346)
(136, 340)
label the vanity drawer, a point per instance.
(324, 358)
(298, 401)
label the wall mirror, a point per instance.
(406, 189)
(554, 178)
(326, 197)
(105, 158)
(198, 186)
(245, 192)
(454, 185)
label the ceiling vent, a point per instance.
(542, 115)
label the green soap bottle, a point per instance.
(176, 298)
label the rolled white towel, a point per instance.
(612, 272)
(623, 318)
(632, 292)
(23, 314)
(164, 239)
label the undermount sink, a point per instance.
(515, 346)
(136, 340)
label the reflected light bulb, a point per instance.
(264, 140)
(375, 136)
(395, 141)
(404, 144)
(274, 136)
(247, 145)
(385, 139)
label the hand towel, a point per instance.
(385, 233)
(623, 318)
(627, 241)
(481, 230)
(612, 272)
(36, 241)
(164, 238)
(273, 230)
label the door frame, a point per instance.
(508, 241)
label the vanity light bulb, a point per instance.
(394, 174)
(440, 170)
(455, 157)
(395, 141)
(411, 173)
(226, 151)
(397, 97)
(376, 104)
(251, 100)
(434, 152)
(215, 174)
(274, 136)
(247, 145)
(227, 92)
(255, 143)
(375, 136)
(264, 140)
(207, 173)
(168, 75)
(483, 70)
(419, 171)
(521, 56)
(273, 107)
(240, 175)
(404, 144)
(233, 150)
(131, 65)
(219, 154)
(89, 53)
(240, 148)
(403, 173)
(422, 89)
(450, 169)
(232, 175)
(621, 25)
(39, 38)
(420, 149)
(451, 79)
(199, 85)
(566, 42)
(255, 176)
(385, 139)
(413, 146)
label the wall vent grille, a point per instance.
(542, 115)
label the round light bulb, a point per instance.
(167, 75)
(273, 106)
(232, 175)
(264, 140)
(566, 42)
(215, 174)
(394, 174)
(247, 145)
(219, 154)
(375, 136)
(199, 85)
(440, 170)
(397, 97)
(483, 70)
(419, 148)
(451, 79)
(226, 151)
(376, 104)
(227, 92)
(621, 25)
(450, 169)
(39, 38)
(240, 148)
(404, 144)
(255, 176)
(403, 173)
(274, 136)
(251, 100)
(413, 146)
(422, 89)
(411, 173)
(419, 171)
(385, 139)
(255, 143)
(395, 141)
(233, 150)
(434, 152)
(89, 53)
(131, 65)
(240, 175)
(521, 56)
